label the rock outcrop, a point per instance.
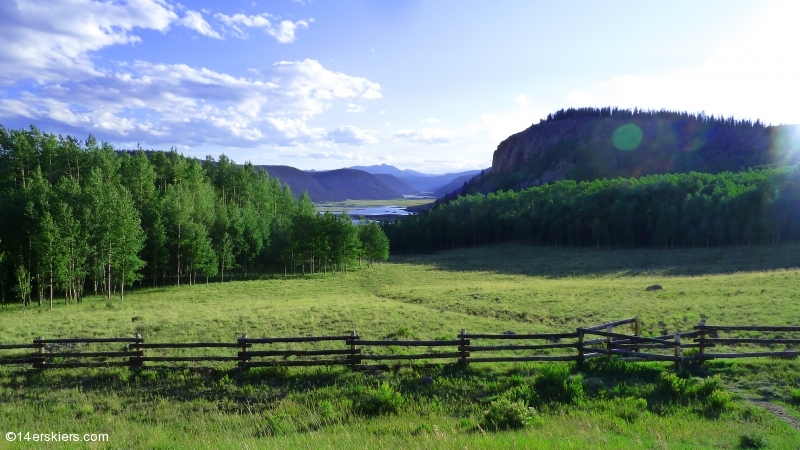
(603, 143)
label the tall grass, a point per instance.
(606, 404)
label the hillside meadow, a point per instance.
(510, 287)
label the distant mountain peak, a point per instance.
(390, 170)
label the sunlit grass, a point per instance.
(491, 289)
(354, 204)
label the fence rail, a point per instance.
(604, 341)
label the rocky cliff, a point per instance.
(604, 143)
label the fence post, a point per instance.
(243, 356)
(637, 330)
(463, 348)
(677, 351)
(608, 340)
(354, 360)
(40, 351)
(581, 358)
(702, 327)
(139, 351)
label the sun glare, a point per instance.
(627, 137)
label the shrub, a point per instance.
(752, 441)
(382, 400)
(422, 429)
(278, 424)
(504, 414)
(555, 385)
(718, 400)
(629, 408)
(794, 396)
(524, 394)
(710, 391)
(327, 411)
(708, 387)
(673, 388)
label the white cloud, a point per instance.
(422, 136)
(354, 108)
(502, 125)
(580, 99)
(51, 40)
(194, 20)
(430, 120)
(284, 31)
(753, 76)
(177, 103)
(351, 136)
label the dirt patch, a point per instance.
(778, 411)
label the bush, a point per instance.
(329, 412)
(629, 408)
(422, 429)
(708, 387)
(710, 391)
(752, 441)
(718, 400)
(673, 388)
(524, 394)
(277, 424)
(504, 414)
(382, 400)
(555, 385)
(794, 396)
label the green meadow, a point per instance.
(347, 205)
(511, 287)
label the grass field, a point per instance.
(488, 289)
(347, 205)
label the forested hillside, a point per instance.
(79, 216)
(691, 210)
(340, 184)
(590, 143)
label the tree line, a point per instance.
(79, 216)
(760, 205)
(666, 115)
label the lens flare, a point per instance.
(627, 137)
(785, 144)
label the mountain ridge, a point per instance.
(590, 143)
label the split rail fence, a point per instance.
(350, 350)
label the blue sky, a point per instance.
(426, 85)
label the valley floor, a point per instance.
(488, 289)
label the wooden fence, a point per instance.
(350, 350)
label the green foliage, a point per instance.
(422, 429)
(401, 334)
(374, 243)
(629, 409)
(277, 424)
(505, 414)
(555, 384)
(794, 396)
(558, 289)
(670, 210)
(81, 216)
(380, 401)
(718, 400)
(710, 392)
(753, 441)
(524, 393)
